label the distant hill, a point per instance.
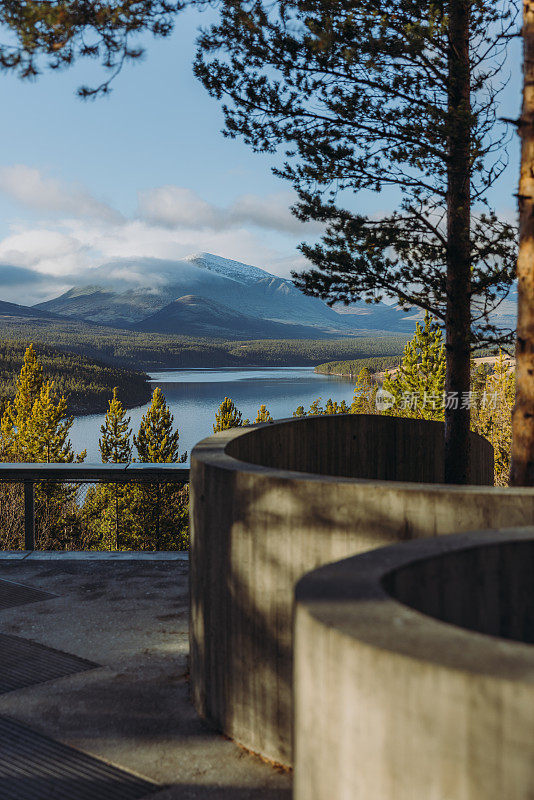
(129, 292)
(194, 316)
(87, 384)
(380, 316)
(14, 311)
(209, 296)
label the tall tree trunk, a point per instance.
(522, 473)
(458, 312)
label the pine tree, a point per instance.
(35, 425)
(491, 415)
(161, 509)
(418, 385)
(46, 438)
(108, 507)
(17, 413)
(368, 95)
(147, 516)
(227, 416)
(333, 407)
(364, 400)
(35, 428)
(316, 409)
(263, 415)
(115, 446)
(156, 441)
(522, 470)
(479, 376)
(57, 34)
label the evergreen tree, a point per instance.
(46, 439)
(522, 469)
(139, 517)
(35, 425)
(114, 444)
(17, 413)
(108, 507)
(263, 415)
(161, 509)
(61, 32)
(364, 400)
(367, 95)
(418, 385)
(491, 415)
(333, 407)
(479, 376)
(315, 409)
(227, 416)
(35, 428)
(156, 441)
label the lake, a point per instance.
(194, 395)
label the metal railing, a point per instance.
(30, 474)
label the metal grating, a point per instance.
(24, 663)
(15, 594)
(34, 767)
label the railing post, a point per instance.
(158, 507)
(29, 516)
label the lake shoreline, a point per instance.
(195, 394)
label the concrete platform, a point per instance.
(131, 616)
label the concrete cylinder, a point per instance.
(414, 672)
(271, 502)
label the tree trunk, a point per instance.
(458, 312)
(522, 473)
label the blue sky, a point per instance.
(143, 172)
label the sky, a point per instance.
(144, 172)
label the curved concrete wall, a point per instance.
(257, 526)
(357, 446)
(392, 702)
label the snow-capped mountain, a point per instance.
(141, 292)
(235, 270)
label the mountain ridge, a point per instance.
(134, 293)
(194, 316)
(125, 292)
(8, 309)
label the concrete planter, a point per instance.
(414, 672)
(272, 502)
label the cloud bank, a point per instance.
(29, 187)
(76, 232)
(175, 207)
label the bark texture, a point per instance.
(522, 472)
(458, 311)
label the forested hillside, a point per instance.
(352, 368)
(86, 384)
(151, 351)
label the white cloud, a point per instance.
(271, 212)
(65, 254)
(78, 233)
(143, 239)
(46, 251)
(31, 188)
(176, 207)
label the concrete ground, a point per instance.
(131, 616)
